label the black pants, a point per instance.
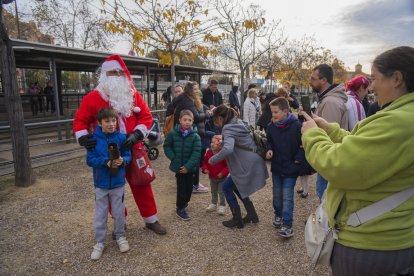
(184, 189)
(347, 261)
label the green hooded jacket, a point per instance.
(183, 151)
(370, 163)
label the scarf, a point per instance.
(284, 122)
(185, 131)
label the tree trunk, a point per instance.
(20, 146)
(242, 91)
(172, 75)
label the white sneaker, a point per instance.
(97, 251)
(123, 244)
(211, 207)
(221, 210)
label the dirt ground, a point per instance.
(46, 229)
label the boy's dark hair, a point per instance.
(186, 112)
(325, 71)
(213, 81)
(280, 102)
(105, 113)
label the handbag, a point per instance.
(139, 171)
(320, 238)
(168, 125)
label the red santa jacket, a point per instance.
(85, 118)
(220, 167)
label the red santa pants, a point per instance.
(144, 198)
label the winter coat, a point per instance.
(183, 151)
(294, 102)
(355, 109)
(251, 112)
(364, 166)
(210, 98)
(85, 117)
(266, 116)
(285, 142)
(220, 167)
(332, 105)
(184, 102)
(248, 170)
(234, 100)
(98, 157)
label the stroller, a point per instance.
(153, 139)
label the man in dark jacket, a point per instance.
(211, 96)
(234, 98)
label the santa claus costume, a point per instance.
(116, 89)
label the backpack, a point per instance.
(260, 139)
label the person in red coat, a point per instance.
(217, 173)
(116, 89)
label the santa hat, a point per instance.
(115, 62)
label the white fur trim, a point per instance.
(151, 219)
(142, 128)
(121, 123)
(136, 109)
(111, 65)
(81, 133)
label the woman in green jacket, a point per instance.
(374, 161)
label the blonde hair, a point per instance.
(281, 92)
(252, 92)
(189, 92)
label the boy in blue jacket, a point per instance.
(183, 147)
(109, 179)
(284, 146)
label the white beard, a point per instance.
(118, 92)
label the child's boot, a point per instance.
(251, 212)
(236, 220)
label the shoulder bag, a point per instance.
(320, 237)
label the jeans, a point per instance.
(283, 201)
(321, 184)
(230, 192)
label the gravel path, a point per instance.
(46, 229)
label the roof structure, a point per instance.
(37, 55)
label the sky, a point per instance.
(354, 30)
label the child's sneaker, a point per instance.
(304, 195)
(97, 251)
(123, 244)
(286, 231)
(211, 207)
(182, 214)
(299, 191)
(221, 210)
(200, 188)
(277, 222)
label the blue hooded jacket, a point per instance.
(98, 157)
(286, 143)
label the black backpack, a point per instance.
(260, 139)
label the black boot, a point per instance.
(236, 220)
(251, 212)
